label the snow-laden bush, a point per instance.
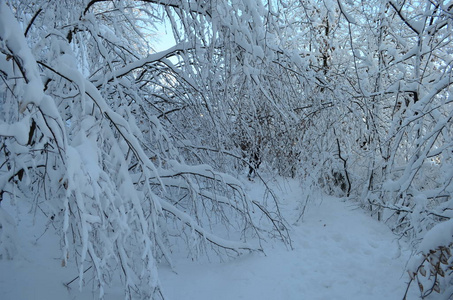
(432, 267)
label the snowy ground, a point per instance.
(339, 253)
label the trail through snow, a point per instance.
(339, 253)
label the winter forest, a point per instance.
(132, 152)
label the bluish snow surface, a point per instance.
(339, 253)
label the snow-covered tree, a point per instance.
(406, 87)
(89, 139)
(128, 150)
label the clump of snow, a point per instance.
(12, 35)
(391, 185)
(18, 130)
(441, 235)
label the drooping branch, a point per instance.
(193, 5)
